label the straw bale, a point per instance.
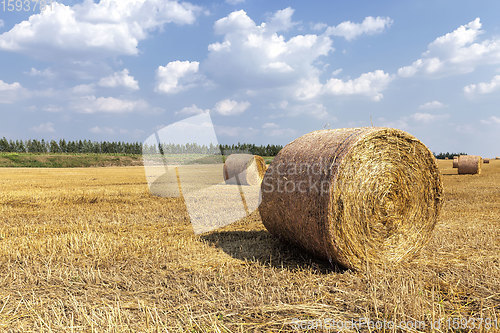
(244, 169)
(353, 196)
(469, 164)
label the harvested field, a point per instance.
(91, 250)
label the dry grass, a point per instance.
(91, 250)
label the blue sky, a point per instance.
(268, 71)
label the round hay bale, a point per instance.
(486, 160)
(353, 196)
(469, 165)
(455, 162)
(244, 169)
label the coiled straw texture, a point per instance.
(353, 196)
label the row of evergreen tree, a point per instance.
(74, 147)
(117, 147)
(442, 156)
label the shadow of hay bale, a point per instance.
(260, 246)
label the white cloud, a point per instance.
(257, 57)
(102, 130)
(428, 117)
(316, 110)
(176, 76)
(270, 125)
(48, 73)
(491, 120)
(228, 107)
(52, 108)
(4, 86)
(483, 87)
(319, 26)
(191, 110)
(282, 132)
(9, 92)
(92, 104)
(369, 84)
(83, 89)
(457, 52)
(308, 88)
(111, 131)
(106, 28)
(273, 129)
(47, 127)
(234, 2)
(369, 26)
(432, 105)
(119, 79)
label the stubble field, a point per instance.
(91, 250)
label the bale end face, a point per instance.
(469, 164)
(244, 169)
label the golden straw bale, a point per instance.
(354, 196)
(244, 169)
(486, 160)
(455, 162)
(469, 164)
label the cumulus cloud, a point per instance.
(106, 28)
(47, 127)
(270, 125)
(92, 104)
(457, 52)
(119, 79)
(257, 57)
(370, 26)
(191, 110)
(176, 76)
(102, 130)
(228, 107)
(493, 120)
(428, 117)
(483, 87)
(48, 73)
(83, 89)
(4, 86)
(52, 108)
(369, 84)
(432, 105)
(9, 92)
(282, 132)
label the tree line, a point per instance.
(72, 147)
(442, 156)
(117, 147)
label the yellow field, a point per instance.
(92, 250)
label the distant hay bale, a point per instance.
(354, 196)
(469, 165)
(244, 169)
(486, 160)
(455, 162)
